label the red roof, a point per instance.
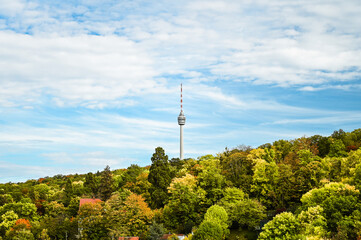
(89, 200)
(129, 238)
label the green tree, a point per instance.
(176, 165)
(41, 192)
(339, 134)
(78, 188)
(54, 209)
(284, 226)
(322, 143)
(156, 231)
(265, 181)
(208, 230)
(308, 176)
(130, 175)
(286, 194)
(334, 165)
(218, 215)
(210, 178)
(231, 197)
(73, 207)
(91, 184)
(23, 210)
(8, 220)
(5, 198)
(249, 213)
(238, 169)
(312, 223)
(106, 186)
(337, 148)
(338, 201)
(23, 234)
(160, 178)
(68, 192)
(282, 149)
(60, 226)
(186, 205)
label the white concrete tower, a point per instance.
(181, 122)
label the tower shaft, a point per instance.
(181, 143)
(181, 122)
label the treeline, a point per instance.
(306, 188)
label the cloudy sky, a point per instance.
(88, 83)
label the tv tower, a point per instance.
(181, 122)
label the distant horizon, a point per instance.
(89, 84)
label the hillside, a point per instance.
(305, 188)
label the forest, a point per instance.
(305, 188)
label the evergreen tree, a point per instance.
(156, 231)
(160, 178)
(91, 184)
(69, 192)
(106, 184)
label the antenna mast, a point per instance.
(181, 98)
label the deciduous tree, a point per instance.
(338, 200)
(218, 215)
(186, 205)
(211, 179)
(249, 213)
(284, 226)
(129, 217)
(238, 169)
(208, 230)
(92, 221)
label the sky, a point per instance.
(85, 83)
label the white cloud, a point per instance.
(10, 8)
(219, 99)
(216, 6)
(345, 87)
(283, 44)
(338, 119)
(74, 70)
(262, 42)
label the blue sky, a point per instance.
(85, 84)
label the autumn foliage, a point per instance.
(23, 222)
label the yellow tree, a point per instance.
(129, 217)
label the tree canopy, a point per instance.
(305, 188)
